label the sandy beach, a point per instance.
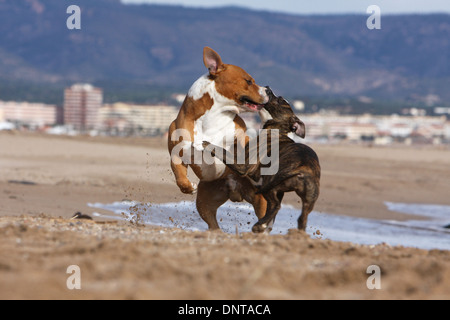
(44, 180)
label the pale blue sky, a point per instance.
(319, 6)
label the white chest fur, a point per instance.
(215, 126)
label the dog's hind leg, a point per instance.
(274, 199)
(309, 194)
(307, 208)
(210, 196)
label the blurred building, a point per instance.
(380, 129)
(32, 115)
(440, 110)
(82, 103)
(130, 119)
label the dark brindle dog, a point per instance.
(299, 168)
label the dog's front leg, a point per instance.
(180, 171)
(177, 151)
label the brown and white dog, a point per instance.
(210, 113)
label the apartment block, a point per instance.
(123, 118)
(35, 115)
(355, 128)
(82, 103)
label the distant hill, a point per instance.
(125, 46)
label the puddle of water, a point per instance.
(428, 234)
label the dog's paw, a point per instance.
(263, 227)
(259, 228)
(191, 188)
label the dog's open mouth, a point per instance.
(250, 104)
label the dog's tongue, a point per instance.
(256, 107)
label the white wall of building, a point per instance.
(32, 114)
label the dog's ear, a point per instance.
(299, 129)
(212, 60)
